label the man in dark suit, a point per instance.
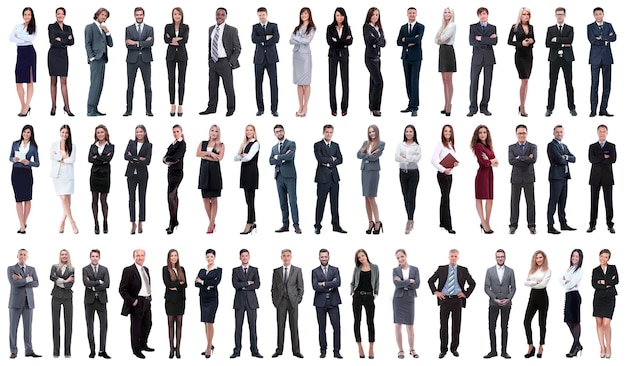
(454, 286)
(522, 156)
(560, 157)
(139, 41)
(326, 281)
(265, 36)
(602, 156)
(410, 39)
(136, 291)
(245, 281)
(287, 291)
(328, 156)
(500, 287)
(22, 279)
(224, 50)
(482, 38)
(559, 40)
(600, 34)
(96, 281)
(97, 39)
(282, 157)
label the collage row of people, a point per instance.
(225, 48)
(451, 283)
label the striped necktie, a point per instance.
(451, 279)
(214, 44)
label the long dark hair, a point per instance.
(32, 135)
(32, 27)
(476, 139)
(443, 139)
(341, 11)
(309, 26)
(182, 16)
(580, 259)
(68, 142)
(145, 134)
(356, 257)
(179, 270)
(414, 135)
(370, 12)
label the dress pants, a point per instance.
(221, 69)
(538, 302)
(283, 309)
(250, 194)
(558, 198)
(14, 319)
(363, 301)
(140, 324)
(504, 312)
(96, 68)
(447, 306)
(342, 62)
(376, 83)
(287, 196)
(131, 72)
(90, 310)
(171, 79)
(259, 70)
(474, 76)
(412, 80)
(445, 185)
(529, 195)
(239, 313)
(409, 179)
(606, 86)
(134, 182)
(68, 311)
(555, 65)
(608, 204)
(335, 321)
(323, 189)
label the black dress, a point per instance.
(57, 55)
(175, 154)
(174, 299)
(249, 175)
(210, 178)
(100, 177)
(209, 297)
(604, 296)
(523, 55)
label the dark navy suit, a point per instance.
(600, 58)
(560, 157)
(327, 301)
(265, 58)
(327, 179)
(411, 43)
(139, 57)
(601, 176)
(245, 302)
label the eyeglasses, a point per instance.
(278, 131)
(500, 257)
(560, 14)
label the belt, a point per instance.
(406, 171)
(149, 298)
(450, 297)
(363, 293)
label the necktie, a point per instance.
(280, 147)
(245, 272)
(600, 27)
(451, 280)
(325, 270)
(144, 274)
(602, 144)
(560, 29)
(264, 27)
(285, 278)
(522, 146)
(214, 45)
(95, 270)
(139, 31)
(24, 270)
(410, 28)
(328, 146)
(484, 27)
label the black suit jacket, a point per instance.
(414, 52)
(61, 292)
(327, 167)
(566, 37)
(176, 53)
(482, 53)
(373, 42)
(463, 278)
(177, 295)
(601, 167)
(600, 52)
(558, 163)
(326, 286)
(339, 47)
(55, 31)
(93, 286)
(523, 170)
(134, 161)
(175, 154)
(144, 48)
(295, 286)
(232, 46)
(245, 295)
(610, 280)
(130, 285)
(517, 36)
(101, 161)
(265, 50)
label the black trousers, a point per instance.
(558, 198)
(608, 204)
(90, 310)
(538, 302)
(140, 324)
(342, 62)
(503, 312)
(447, 306)
(68, 310)
(376, 83)
(131, 72)
(555, 66)
(259, 71)
(251, 313)
(409, 179)
(445, 185)
(335, 321)
(283, 309)
(134, 182)
(171, 80)
(250, 194)
(221, 69)
(487, 77)
(323, 189)
(529, 195)
(367, 302)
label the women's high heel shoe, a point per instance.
(370, 228)
(380, 228)
(133, 228)
(177, 351)
(574, 352)
(531, 353)
(25, 114)
(67, 111)
(249, 229)
(74, 227)
(211, 230)
(519, 111)
(171, 353)
(172, 114)
(105, 227)
(53, 111)
(376, 113)
(140, 227)
(171, 228)
(482, 228)
(96, 229)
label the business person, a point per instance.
(447, 58)
(339, 38)
(24, 156)
(138, 154)
(600, 34)
(248, 155)
(406, 279)
(374, 38)
(224, 50)
(176, 35)
(602, 156)
(500, 287)
(246, 281)
(287, 291)
(408, 154)
(97, 39)
(482, 146)
(136, 292)
(522, 157)
(482, 38)
(370, 153)
(23, 36)
(364, 290)
(62, 275)
(522, 37)
(139, 39)
(454, 286)
(96, 280)
(558, 175)
(63, 156)
(537, 279)
(175, 281)
(174, 160)
(265, 36)
(326, 281)
(207, 281)
(211, 152)
(302, 61)
(60, 37)
(410, 39)
(443, 149)
(559, 40)
(22, 279)
(328, 156)
(571, 283)
(603, 279)
(100, 155)
(282, 158)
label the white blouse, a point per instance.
(572, 277)
(532, 279)
(440, 153)
(412, 153)
(20, 35)
(254, 149)
(447, 36)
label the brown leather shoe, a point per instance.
(297, 229)
(282, 229)
(13, 355)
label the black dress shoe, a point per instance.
(282, 229)
(548, 112)
(235, 355)
(275, 114)
(611, 230)
(505, 355)
(100, 113)
(206, 111)
(486, 112)
(606, 114)
(337, 355)
(104, 355)
(34, 355)
(406, 110)
(317, 230)
(470, 114)
(260, 112)
(323, 353)
(229, 113)
(148, 349)
(338, 229)
(512, 230)
(573, 112)
(566, 227)
(149, 114)
(552, 230)
(591, 229)
(333, 113)
(442, 354)
(277, 353)
(139, 354)
(455, 353)
(491, 354)
(592, 114)
(127, 113)
(257, 355)
(298, 354)
(92, 354)
(532, 230)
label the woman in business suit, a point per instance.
(538, 278)
(364, 290)
(63, 155)
(60, 36)
(571, 283)
(62, 275)
(23, 36)
(174, 160)
(24, 156)
(482, 147)
(444, 148)
(175, 284)
(138, 153)
(211, 152)
(302, 61)
(603, 279)
(338, 37)
(369, 153)
(207, 280)
(100, 155)
(176, 36)
(408, 154)
(374, 39)
(522, 37)
(248, 155)
(406, 279)
(447, 59)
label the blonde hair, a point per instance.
(533, 263)
(443, 22)
(371, 142)
(245, 138)
(69, 260)
(519, 17)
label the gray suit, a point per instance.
(224, 66)
(285, 174)
(21, 304)
(96, 43)
(523, 176)
(139, 57)
(499, 290)
(286, 296)
(62, 296)
(96, 285)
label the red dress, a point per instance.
(483, 184)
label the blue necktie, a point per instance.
(214, 46)
(522, 146)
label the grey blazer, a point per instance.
(405, 287)
(57, 291)
(356, 275)
(496, 290)
(284, 163)
(232, 46)
(523, 165)
(96, 43)
(295, 286)
(21, 291)
(370, 162)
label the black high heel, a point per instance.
(519, 111)
(53, 111)
(574, 352)
(67, 111)
(370, 228)
(380, 228)
(133, 228)
(96, 229)
(172, 114)
(171, 228)
(249, 231)
(25, 114)
(531, 353)
(105, 227)
(177, 351)
(171, 353)
(485, 231)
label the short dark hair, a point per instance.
(279, 126)
(328, 126)
(210, 251)
(220, 8)
(521, 126)
(602, 125)
(261, 10)
(601, 252)
(411, 8)
(501, 251)
(94, 251)
(598, 8)
(557, 126)
(244, 251)
(560, 8)
(95, 16)
(139, 8)
(323, 250)
(481, 9)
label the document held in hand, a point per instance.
(448, 161)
